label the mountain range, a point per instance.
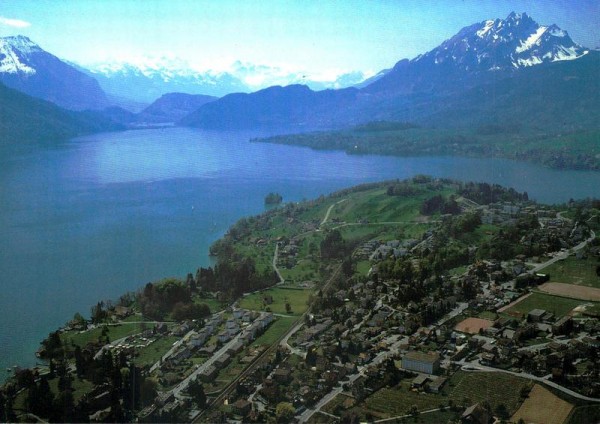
(499, 57)
(513, 71)
(150, 78)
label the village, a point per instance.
(381, 337)
(361, 338)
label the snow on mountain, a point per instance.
(12, 51)
(148, 78)
(502, 44)
(26, 67)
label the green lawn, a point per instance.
(487, 315)
(152, 353)
(559, 306)
(213, 304)
(114, 332)
(298, 300)
(279, 327)
(571, 270)
(302, 271)
(585, 414)
(363, 267)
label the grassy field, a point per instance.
(363, 267)
(542, 406)
(377, 206)
(304, 270)
(114, 332)
(487, 315)
(585, 414)
(559, 306)
(297, 299)
(151, 354)
(277, 328)
(213, 304)
(574, 271)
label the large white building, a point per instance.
(428, 363)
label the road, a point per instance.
(275, 256)
(329, 212)
(565, 254)
(183, 384)
(394, 341)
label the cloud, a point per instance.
(16, 23)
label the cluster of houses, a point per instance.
(376, 250)
(240, 329)
(352, 325)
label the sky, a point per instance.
(312, 36)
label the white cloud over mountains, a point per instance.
(15, 23)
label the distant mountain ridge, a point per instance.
(150, 79)
(428, 86)
(25, 66)
(25, 119)
(172, 107)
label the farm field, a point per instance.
(572, 291)
(297, 299)
(542, 406)
(496, 388)
(559, 306)
(473, 325)
(580, 272)
(463, 388)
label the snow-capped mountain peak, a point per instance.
(503, 44)
(26, 67)
(14, 52)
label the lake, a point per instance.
(94, 217)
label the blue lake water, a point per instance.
(94, 217)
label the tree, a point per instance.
(98, 313)
(25, 379)
(2, 408)
(196, 391)
(78, 318)
(284, 412)
(9, 412)
(413, 410)
(288, 307)
(79, 361)
(64, 407)
(333, 246)
(46, 398)
(147, 391)
(183, 311)
(502, 412)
